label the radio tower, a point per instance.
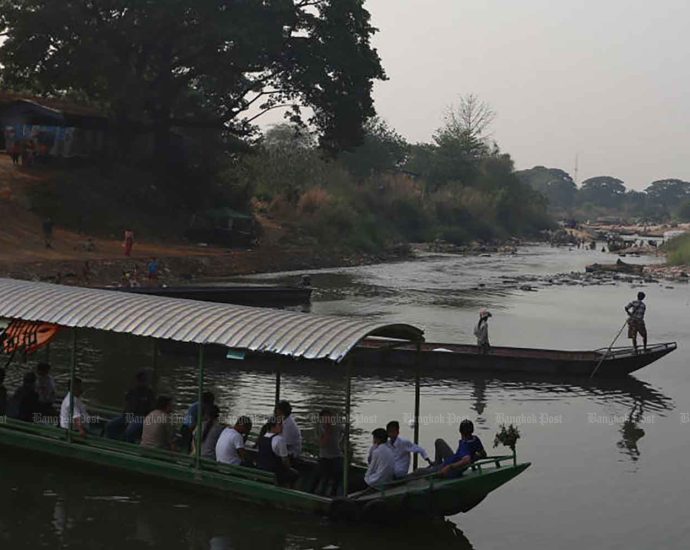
(577, 167)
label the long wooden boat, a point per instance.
(246, 295)
(616, 362)
(307, 337)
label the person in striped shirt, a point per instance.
(636, 325)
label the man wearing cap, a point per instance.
(481, 331)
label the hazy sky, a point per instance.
(608, 80)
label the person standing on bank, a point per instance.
(481, 331)
(636, 325)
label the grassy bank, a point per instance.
(678, 250)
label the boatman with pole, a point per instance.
(636, 310)
(481, 331)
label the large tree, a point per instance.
(556, 185)
(605, 191)
(668, 194)
(202, 63)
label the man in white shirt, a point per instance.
(381, 468)
(402, 448)
(291, 432)
(230, 446)
(79, 415)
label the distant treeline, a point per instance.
(606, 196)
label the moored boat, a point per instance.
(261, 296)
(268, 332)
(616, 362)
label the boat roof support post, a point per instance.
(72, 376)
(278, 383)
(199, 410)
(154, 361)
(346, 438)
(417, 396)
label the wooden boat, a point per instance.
(261, 296)
(616, 362)
(272, 332)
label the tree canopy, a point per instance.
(207, 63)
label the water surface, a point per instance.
(608, 468)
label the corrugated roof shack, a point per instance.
(53, 127)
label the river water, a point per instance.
(607, 464)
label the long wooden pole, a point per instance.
(415, 459)
(72, 375)
(346, 439)
(199, 410)
(608, 350)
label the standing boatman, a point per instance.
(636, 310)
(481, 331)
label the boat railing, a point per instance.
(141, 453)
(431, 477)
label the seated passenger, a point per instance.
(3, 393)
(158, 429)
(24, 403)
(273, 454)
(470, 449)
(45, 386)
(231, 443)
(79, 415)
(211, 429)
(139, 402)
(381, 468)
(402, 448)
(291, 432)
(190, 417)
(330, 468)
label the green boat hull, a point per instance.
(427, 497)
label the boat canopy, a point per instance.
(280, 332)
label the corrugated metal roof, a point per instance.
(255, 329)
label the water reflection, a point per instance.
(105, 514)
(631, 432)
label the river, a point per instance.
(607, 465)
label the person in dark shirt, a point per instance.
(470, 449)
(140, 400)
(25, 403)
(273, 454)
(3, 394)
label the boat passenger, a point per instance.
(636, 325)
(190, 417)
(402, 448)
(158, 429)
(329, 472)
(381, 468)
(273, 454)
(210, 432)
(469, 450)
(230, 448)
(24, 403)
(481, 331)
(291, 432)
(45, 386)
(80, 416)
(3, 393)
(139, 402)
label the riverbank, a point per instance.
(176, 268)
